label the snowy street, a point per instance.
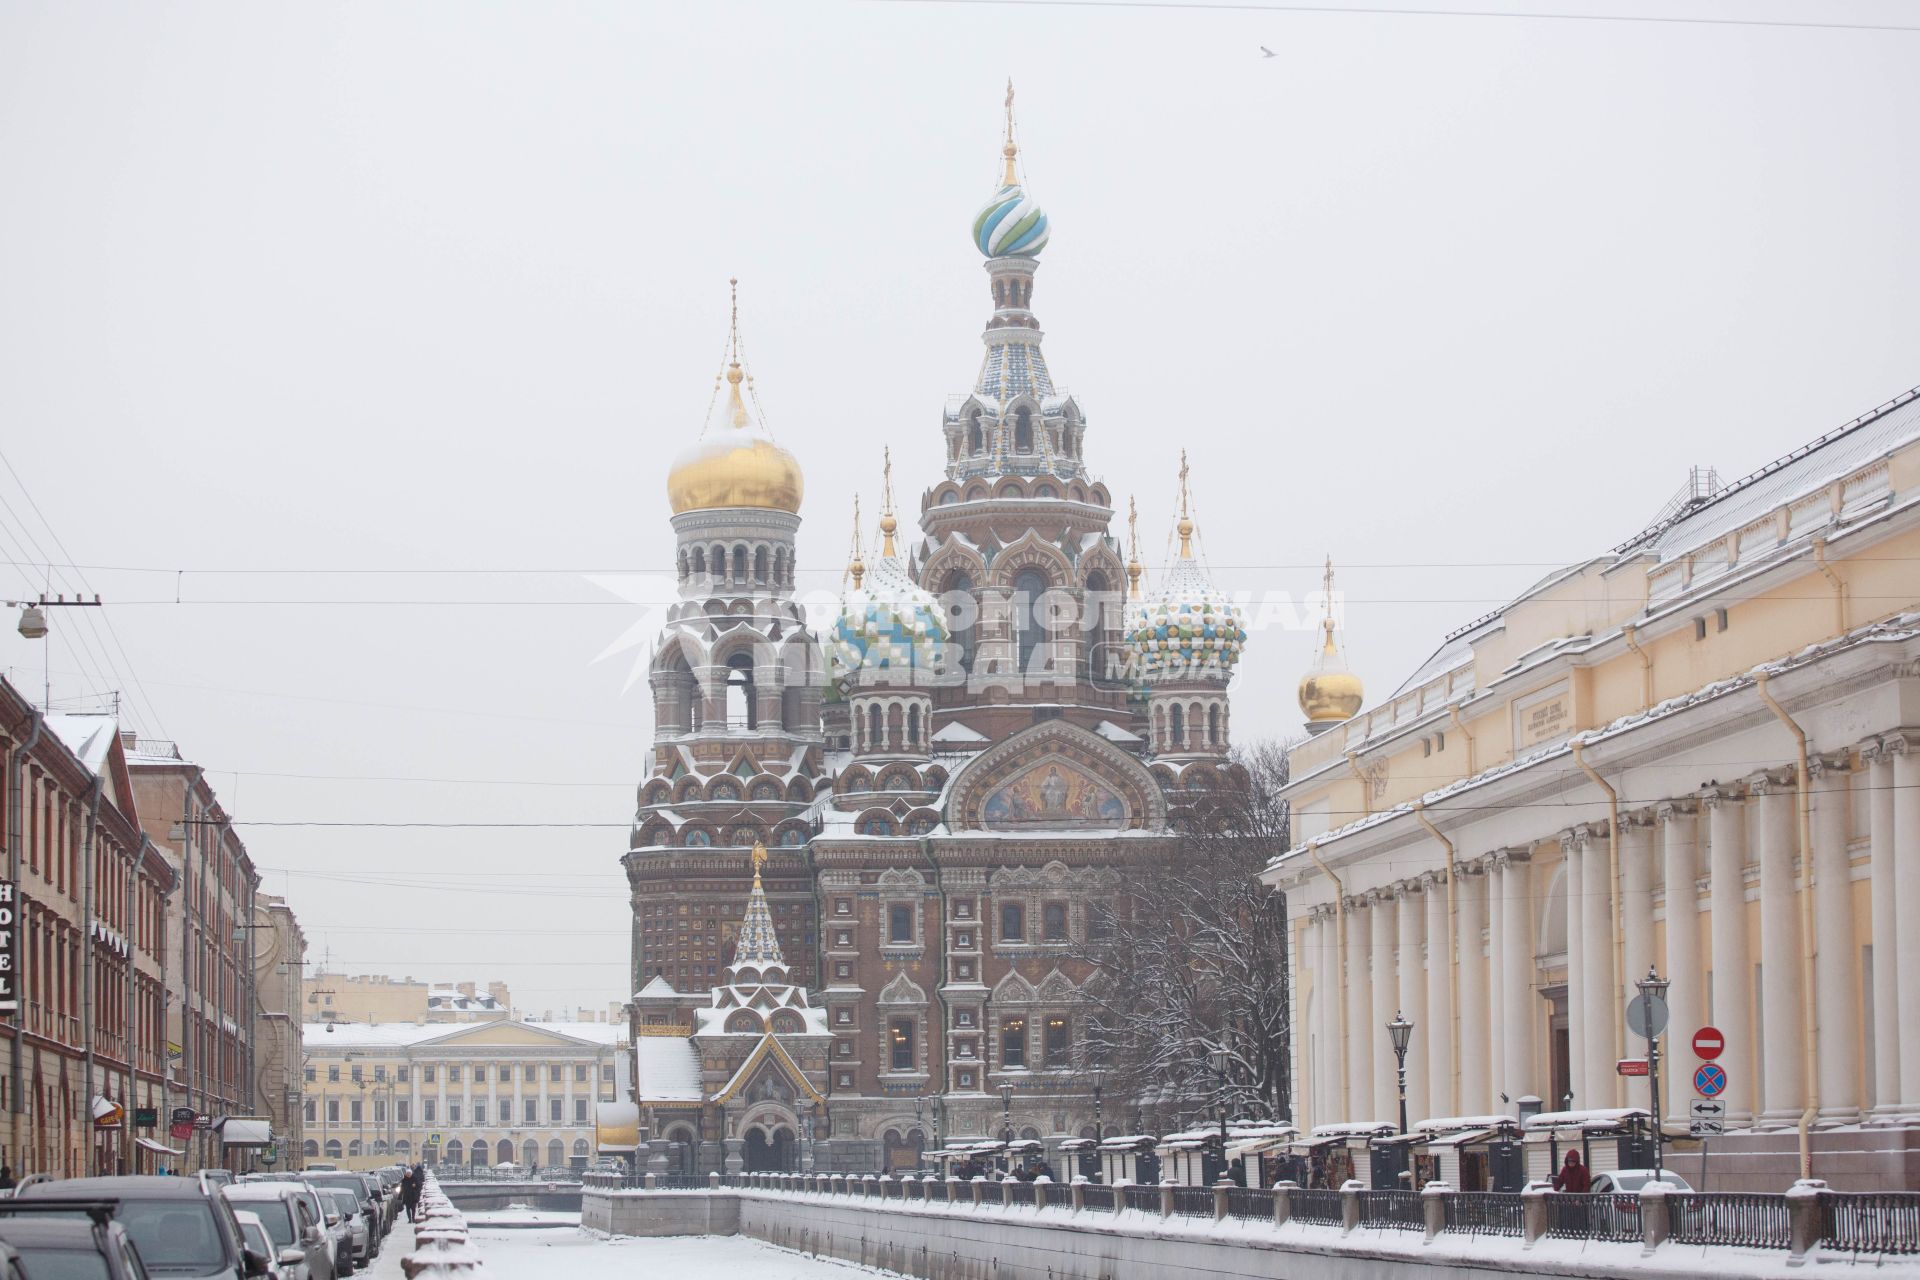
(539, 1253)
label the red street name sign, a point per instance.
(1708, 1042)
(1631, 1066)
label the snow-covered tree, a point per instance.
(1193, 956)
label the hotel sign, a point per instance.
(9, 935)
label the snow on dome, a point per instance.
(1189, 631)
(887, 630)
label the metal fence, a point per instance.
(1098, 1198)
(1320, 1206)
(1487, 1213)
(935, 1190)
(1726, 1217)
(1145, 1199)
(1870, 1222)
(1249, 1204)
(1019, 1192)
(1576, 1216)
(1399, 1209)
(1193, 1202)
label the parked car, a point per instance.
(254, 1233)
(338, 1226)
(1629, 1181)
(94, 1246)
(291, 1215)
(346, 1202)
(181, 1226)
(372, 1203)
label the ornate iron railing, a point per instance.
(1757, 1221)
(1193, 1202)
(1145, 1199)
(1576, 1216)
(1397, 1209)
(1249, 1204)
(1487, 1213)
(1321, 1206)
(1870, 1222)
(1019, 1192)
(1097, 1198)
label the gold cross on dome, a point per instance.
(759, 856)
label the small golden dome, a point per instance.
(735, 466)
(1330, 693)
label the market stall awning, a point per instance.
(158, 1148)
(246, 1131)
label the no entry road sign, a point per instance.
(1708, 1042)
(1710, 1080)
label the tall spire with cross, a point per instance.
(758, 944)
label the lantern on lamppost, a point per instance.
(1098, 1079)
(1401, 1032)
(1653, 1000)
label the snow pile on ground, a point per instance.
(443, 1247)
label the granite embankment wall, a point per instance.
(1019, 1242)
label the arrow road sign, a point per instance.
(1710, 1081)
(1708, 1042)
(1647, 1016)
(1707, 1109)
(1705, 1128)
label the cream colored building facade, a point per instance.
(1607, 775)
(375, 997)
(484, 1093)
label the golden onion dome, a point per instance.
(735, 466)
(1330, 693)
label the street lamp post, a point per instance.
(1653, 993)
(1006, 1119)
(920, 1127)
(1098, 1077)
(1402, 1032)
(1221, 1061)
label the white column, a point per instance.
(1686, 996)
(1358, 1046)
(1783, 1018)
(1476, 1093)
(1835, 1020)
(1319, 1053)
(1886, 927)
(1519, 1020)
(1386, 997)
(1906, 855)
(1604, 1034)
(1731, 1011)
(1442, 1099)
(1413, 998)
(1577, 960)
(1636, 903)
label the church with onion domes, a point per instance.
(909, 818)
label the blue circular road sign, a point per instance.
(1710, 1080)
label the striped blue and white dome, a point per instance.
(1012, 224)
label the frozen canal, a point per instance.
(542, 1253)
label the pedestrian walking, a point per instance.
(6, 1178)
(410, 1186)
(1573, 1175)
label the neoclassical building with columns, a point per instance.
(1698, 752)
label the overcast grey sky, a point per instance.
(442, 288)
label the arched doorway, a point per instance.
(771, 1152)
(503, 1153)
(681, 1150)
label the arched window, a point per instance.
(455, 1152)
(683, 563)
(310, 1149)
(1213, 725)
(739, 564)
(1179, 727)
(962, 613)
(333, 1149)
(896, 727)
(760, 565)
(504, 1153)
(873, 727)
(1023, 430)
(913, 727)
(976, 441)
(699, 562)
(1029, 585)
(530, 1154)
(579, 1146)
(556, 1154)
(741, 712)
(353, 1149)
(1096, 643)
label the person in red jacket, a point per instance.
(1573, 1175)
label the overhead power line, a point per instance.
(1283, 6)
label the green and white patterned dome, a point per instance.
(1187, 630)
(889, 630)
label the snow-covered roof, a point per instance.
(1114, 733)
(401, 1035)
(89, 735)
(1447, 1124)
(657, 986)
(669, 1070)
(1352, 1129)
(1600, 1118)
(954, 731)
